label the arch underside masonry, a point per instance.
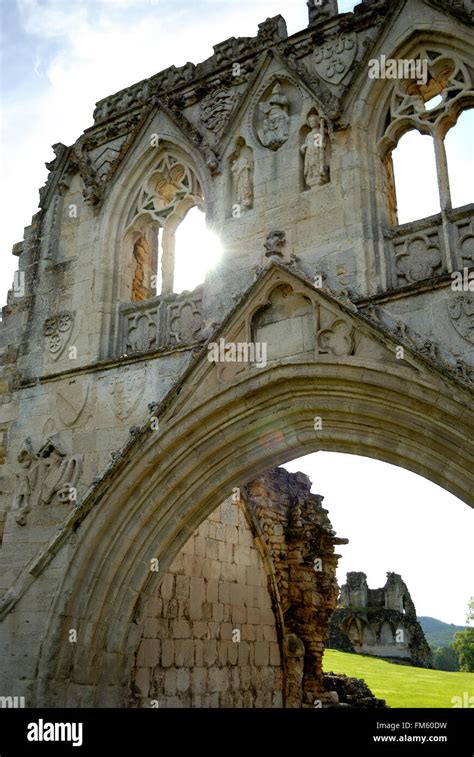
(215, 434)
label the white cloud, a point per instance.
(98, 48)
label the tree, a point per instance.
(445, 658)
(464, 642)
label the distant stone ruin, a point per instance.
(378, 622)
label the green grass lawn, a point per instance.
(401, 685)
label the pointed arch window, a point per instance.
(427, 136)
(171, 191)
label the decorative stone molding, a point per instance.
(463, 231)
(338, 340)
(174, 319)
(448, 76)
(418, 257)
(215, 108)
(184, 320)
(416, 251)
(170, 184)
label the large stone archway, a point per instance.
(366, 323)
(209, 440)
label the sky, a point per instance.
(58, 58)
(397, 521)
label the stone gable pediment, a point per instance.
(284, 318)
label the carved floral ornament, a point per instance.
(419, 259)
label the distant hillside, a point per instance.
(438, 634)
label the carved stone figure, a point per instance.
(315, 170)
(276, 123)
(59, 473)
(142, 255)
(274, 244)
(49, 477)
(26, 481)
(242, 176)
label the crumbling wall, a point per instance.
(241, 616)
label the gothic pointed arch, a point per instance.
(152, 197)
(423, 84)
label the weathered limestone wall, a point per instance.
(71, 342)
(190, 654)
(82, 368)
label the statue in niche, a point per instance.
(241, 169)
(142, 256)
(315, 169)
(276, 122)
(390, 189)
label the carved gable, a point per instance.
(285, 318)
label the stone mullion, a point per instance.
(445, 203)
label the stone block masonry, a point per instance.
(212, 641)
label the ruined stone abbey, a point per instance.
(152, 552)
(378, 622)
